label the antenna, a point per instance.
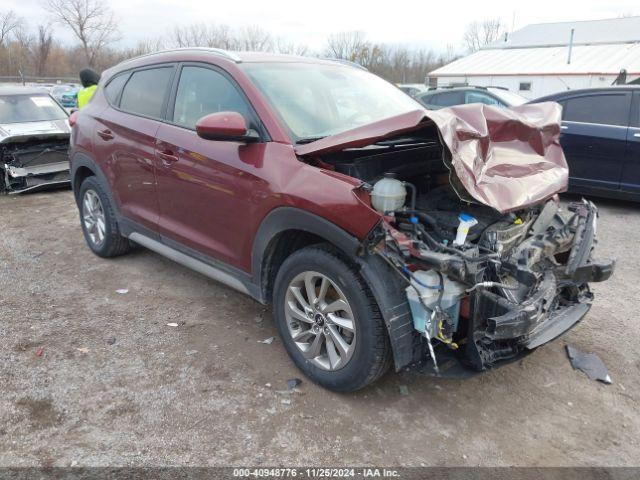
(570, 46)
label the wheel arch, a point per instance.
(83, 166)
(287, 229)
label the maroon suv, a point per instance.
(380, 232)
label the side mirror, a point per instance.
(229, 126)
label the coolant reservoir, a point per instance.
(388, 194)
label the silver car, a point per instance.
(34, 140)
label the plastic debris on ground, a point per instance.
(111, 340)
(122, 291)
(191, 352)
(83, 350)
(589, 363)
(267, 341)
(293, 383)
(40, 351)
(172, 324)
(404, 390)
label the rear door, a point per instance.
(594, 137)
(125, 135)
(631, 170)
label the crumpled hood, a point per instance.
(504, 158)
(10, 132)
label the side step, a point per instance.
(189, 262)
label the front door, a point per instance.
(205, 187)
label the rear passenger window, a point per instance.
(477, 97)
(449, 99)
(145, 92)
(113, 88)
(610, 109)
(202, 91)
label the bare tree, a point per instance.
(42, 49)
(290, 48)
(254, 38)
(480, 34)
(346, 45)
(9, 23)
(203, 35)
(91, 21)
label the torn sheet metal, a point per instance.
(506, 158)
(589, 363)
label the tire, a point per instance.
(106, 241)
(368, 352)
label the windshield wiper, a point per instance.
(305, 140)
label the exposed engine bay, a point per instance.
(482, 285)
(32, 164)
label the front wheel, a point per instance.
(329, 322)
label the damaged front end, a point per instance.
(34, 155)
(511, 286)
(471, 224)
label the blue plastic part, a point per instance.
(465, 217)
(413, 219)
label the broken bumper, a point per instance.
(24, 179)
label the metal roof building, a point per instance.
(546, 58)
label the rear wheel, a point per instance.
(98, 221)
(328, 320)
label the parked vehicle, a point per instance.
(66, 95)
(601, 140)
(325, 191)
(34, 140)
(412, 89)
(448, 97)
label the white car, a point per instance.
(34, 140)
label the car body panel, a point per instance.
(594, 148)
(127, 148)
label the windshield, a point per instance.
(510, 98)
(29, 108)
(317, 100)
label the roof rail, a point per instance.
(345, 62)
(216, 51)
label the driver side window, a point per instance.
(202, 91)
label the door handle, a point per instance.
(105, 134)
(167, 157)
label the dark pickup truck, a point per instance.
(601, 140)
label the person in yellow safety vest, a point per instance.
(89, 80)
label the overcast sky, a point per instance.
(410, 22)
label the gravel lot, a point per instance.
(115, 385)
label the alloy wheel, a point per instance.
(320, 320)
(93, 217)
